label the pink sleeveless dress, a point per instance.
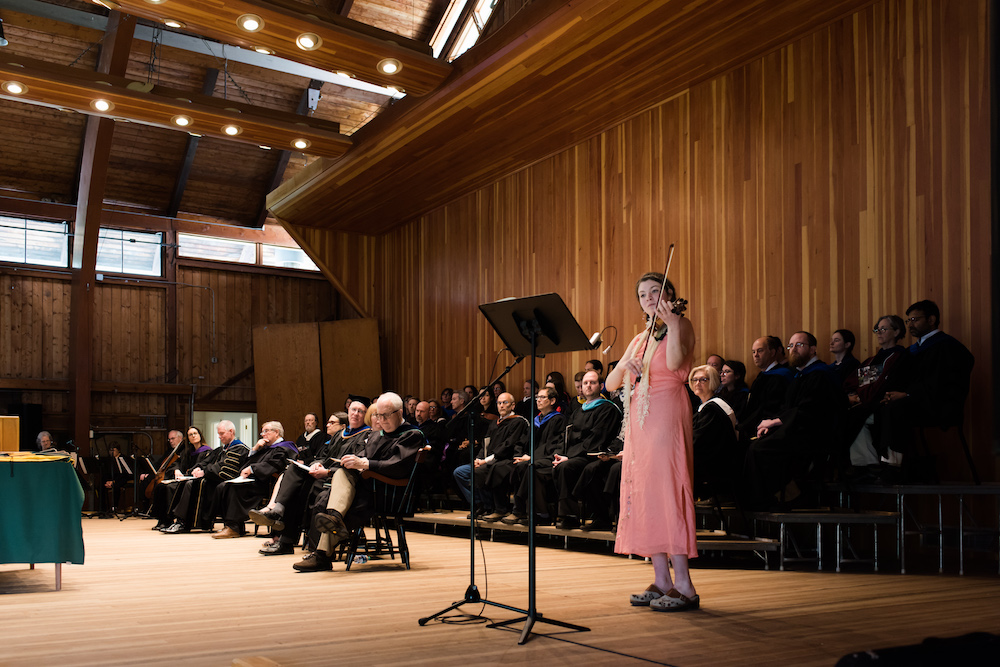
(657, 504)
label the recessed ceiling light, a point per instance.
(301, 144)
(308, 41)
(14, 87)
(102, 105)
(232, 130)
(181, 120)
(347, 74)
(250, 22)
(156, 2)
(107, 4)
(173, 23)
(389, 66)
(263, 49)
(264, 148)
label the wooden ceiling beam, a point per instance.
(284, 156)
(113, 60)
(344, 45)
(180, 184)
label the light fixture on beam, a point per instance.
(338, 44)
(389, 66)
(308, 41)
(108, 4)
(250, 22)
(174, 23)
(75, 89)
(14, 87)
(3, 39)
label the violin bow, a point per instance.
(663, 286)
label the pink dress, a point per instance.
(657, 504)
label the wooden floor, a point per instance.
(151, 599)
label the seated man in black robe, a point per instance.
(194, 452)
(494, 459)
(592, 429)
(768, 389)
(550, 438)
(937, 388)
(192, 506)
(391, 451)
(236, 497)
(311, 439)
(299, 486)
(805, 431)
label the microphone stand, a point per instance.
(472, 595)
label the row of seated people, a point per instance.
(800, 420)
(316, 488)
(796, 415)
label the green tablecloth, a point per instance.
(40, 503)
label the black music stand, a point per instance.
(531, 326)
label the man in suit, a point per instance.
(938, 386)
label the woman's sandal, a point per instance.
(646, 597)
(672, 600)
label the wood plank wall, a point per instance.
(130, 339)
(840, 178)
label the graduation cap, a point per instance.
(364, 400)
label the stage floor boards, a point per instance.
(151, 599)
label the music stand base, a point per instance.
(472, 596)
(529, 622)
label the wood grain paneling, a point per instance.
(287, 372)
(839, 178)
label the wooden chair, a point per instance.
(393, 499)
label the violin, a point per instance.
(680, 305)
(161, 472)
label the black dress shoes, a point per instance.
(178, 527)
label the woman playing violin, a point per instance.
(656, 516)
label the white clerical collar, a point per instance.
(773, 365)
(923, 339)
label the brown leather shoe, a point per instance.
(225, 533)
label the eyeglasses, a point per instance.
(879, 330)
(386, 415)
(542, 397)
(700, 379)
(505, 402)
(913, 319)
(792, 346)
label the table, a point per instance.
(41, 521)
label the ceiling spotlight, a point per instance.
(266, 51)
(14, 87)
(389, 66)
(301, 144)
(250, 22)
(346, 74)
(3, 40)
(102, 105)
(232, 130)
(264, 148)
(181, 120)
(173, 23)
(156, 2)
(308, 41)
(107, 4)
